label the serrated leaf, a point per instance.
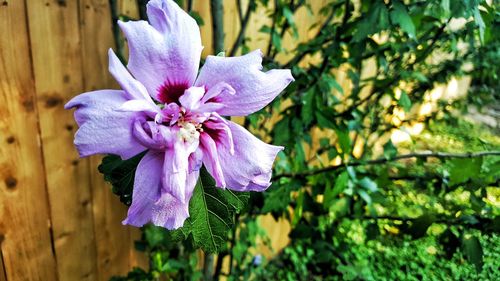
(277, 199)
(212, 212)
(120, 173)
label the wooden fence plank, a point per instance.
(25, 241)
(115, 243)
(3, 275)
(55, 39)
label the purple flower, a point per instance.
(169, 109)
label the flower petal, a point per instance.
(104, 129)
(250, 167)
(140, 106)
(166, 55)
(176, 163)
(171, 213)
(149, 203)
(253, 88)
(131, 86)
(211, 159)
(192, 97)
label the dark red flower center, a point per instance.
(170, 92)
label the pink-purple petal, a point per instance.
(211, 159)
(176, 163)
(192, 97)
(167, 53)
(150, 203)
(253, 88)
(132, 87)
(104, 129)
(250, 167)
(171, 213)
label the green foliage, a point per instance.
(121, 175)
(211, 212)
(369, 217)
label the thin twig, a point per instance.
(243, 23)
(273, 28)
(190, 6)
(116, 30)
(383, 160)
(217, 12)
(142, 9)
(297, 58)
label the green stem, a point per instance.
(217, 12)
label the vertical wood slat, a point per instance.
(25, 241)
(55, 44)
(3, 275)
(114, 242)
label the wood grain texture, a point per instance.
(114, 242)
(25, 241)
(56, 51)
(3, 275)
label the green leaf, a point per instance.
(377, 20)
(307, 107)
(197, 17)
(404, 101)
(339, 187)
(368, 184)
(390, 150)
(276, 39)
(120, 173)
(462, 169)
(332, 83)
(211, 213)
(344, 140)
(419, 226)
(479, 22)
(297, 212)
(400, 16)
(277, 199)
(365, 196)
(473, 251)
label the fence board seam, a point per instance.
(40, 140)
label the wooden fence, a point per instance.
(58, 219)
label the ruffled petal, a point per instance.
(192, 97)
(250, 167)
(253, 88)
(211, 159)
(150, 203)
(164, 56)
(104, 129)
(171, 213)
(176, 163)
(132, 87)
